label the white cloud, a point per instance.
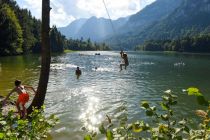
(60, 18)
(116, 8)
(65, 11)
(58, 14)
(33, 5)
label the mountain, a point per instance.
(137, 23)
(151, 14)
(161, 20)
(94, 28)
(189, 19)
(98, 29)
(72, 29)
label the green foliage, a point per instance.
(193, 91)
(31, 29)
(145, 104)
(85, 45)
(87, 137)
(57, 40)
(200, 98)
(35, 127)
(164, 125)
(204, 132)
(199, 43)
(11, 33)
(20, 32)
(59, 43)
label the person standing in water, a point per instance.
(78, 72)
(125, 60)
(23, 97)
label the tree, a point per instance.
(57, 40)
(10, 32)
(26, 23)
(39, 98)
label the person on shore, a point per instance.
(23, 97)
(78, 72)
(125, 60)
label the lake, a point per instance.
(102, 90)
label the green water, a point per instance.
(84, 102)
(25, 68)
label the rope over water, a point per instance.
(114, 31)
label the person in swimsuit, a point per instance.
(78, 72)
(23, 97)
(125, 60)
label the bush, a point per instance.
(164, 125)
(35, 127)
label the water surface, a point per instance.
(102, 89)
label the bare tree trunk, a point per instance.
(39, 98)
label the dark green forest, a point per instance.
(199, 43)
(20, 33)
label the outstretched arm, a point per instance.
(8, 96)
(30, 87)
(121, 53)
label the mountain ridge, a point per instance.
(163, 19)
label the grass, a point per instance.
(68, 51)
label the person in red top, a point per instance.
(23, 97)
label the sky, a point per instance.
(65, 11)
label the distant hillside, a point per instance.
(161, 20)
(140, 21)
(151, 14)
(72, 29)
(98, 29)
(94, 28)
(189, 19)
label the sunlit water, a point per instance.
(82, 104)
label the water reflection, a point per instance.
(91, 117)
(84, 102)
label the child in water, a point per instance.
(125, 60)
(23, 97)
(78, 72)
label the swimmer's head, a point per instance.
(17, 82)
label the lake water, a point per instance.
(84, 102)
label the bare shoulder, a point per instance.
(26, 86)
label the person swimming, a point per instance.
(23, 97)
(125, 60)
(78, 72)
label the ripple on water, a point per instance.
(82, 104)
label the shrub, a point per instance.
(35, 127)
(164, 125)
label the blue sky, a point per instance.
(65, 11)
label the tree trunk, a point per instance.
(39, 98)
